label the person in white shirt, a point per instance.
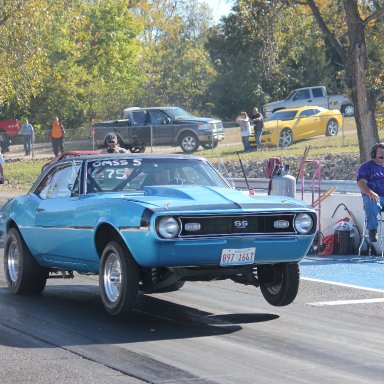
(245, 129)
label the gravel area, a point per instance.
(333, 167)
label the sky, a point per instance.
(219, 7)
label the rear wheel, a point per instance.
(279, 283)
(137, 149)
(286, 138)
(118, 279)
(348, 110)
(23, 273)
(332, 128)
(189, 142)
(209, 145)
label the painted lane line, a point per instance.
(342, 284)
(347, 302)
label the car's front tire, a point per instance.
(118, 279)
(23, 273)
(189, 142)
(279, 283)
(286, 138)
(332, 128)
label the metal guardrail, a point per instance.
(342, 186)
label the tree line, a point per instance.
(85, 60)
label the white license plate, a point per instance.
(237, 256)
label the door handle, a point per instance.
(40, 209)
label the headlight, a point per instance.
(204, 126)
(168, 227)
(303, 223)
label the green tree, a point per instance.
(24, 28)
(258, 56)
(361, 73)
(94, 63)
(177, 67)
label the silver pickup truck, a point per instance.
(316, 96)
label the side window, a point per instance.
(139, 117)
(317, 92)
(307, 112)
(60, 182)
(157, 118)
(302, 94)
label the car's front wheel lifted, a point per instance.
(23, 273)
(118, 279)
(279, 283)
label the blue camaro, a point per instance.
(148, 223)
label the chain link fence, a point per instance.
(278, 133)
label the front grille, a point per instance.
(216, 127)
(237, 225)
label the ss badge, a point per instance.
(241, 224)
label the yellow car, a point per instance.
(285, 126)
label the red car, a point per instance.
(8, 129)
(70, 155)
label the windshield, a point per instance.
(290, 95)
(134, 174)
(179, 114)
(282, 115)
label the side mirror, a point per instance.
(167, 120)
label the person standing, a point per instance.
(370, 180)
(28, 133)
(57, 137)
(1, 168)
(245, 129)
(258, 124)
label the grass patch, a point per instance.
(21, 174)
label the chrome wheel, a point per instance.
(349, 110)
(23, 273)
(13, 263)
(332, 128)
(189, 143)
(119, 277)
(112, 278)
(286, 138)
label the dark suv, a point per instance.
(143, 127)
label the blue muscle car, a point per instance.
(148, 223)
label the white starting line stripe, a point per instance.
(342, 284)
(347, 302)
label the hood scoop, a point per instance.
(169, 192)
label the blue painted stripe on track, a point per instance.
(360, 271)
